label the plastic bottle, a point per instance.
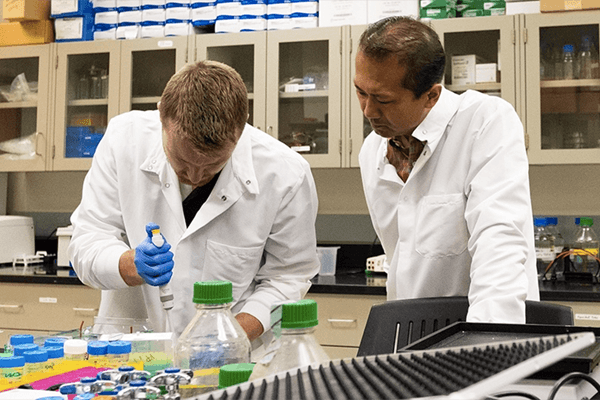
(585, 58)
(544, 245)
(55, 342)
(557, 56)
(16, 340)
(234, 374)
(297, 346)
(20, 349)
(11, 370)
(97, 351)
(213, 338)
(117, 352)
(36, 365)
(55, 356)
(585, 247)
(75, 349)
(568, 61)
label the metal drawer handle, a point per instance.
(76, 309)
(342, 321)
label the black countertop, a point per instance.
(348, 280)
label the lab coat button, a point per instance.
(167, 185)
(150, 168)
(224, 198)
(248, 182)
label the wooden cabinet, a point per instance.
(43, 309)
(585, 313)
(342, 320)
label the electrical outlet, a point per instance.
(375, 264)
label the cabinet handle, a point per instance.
(344, 322)
(11, 306)
(78, 309)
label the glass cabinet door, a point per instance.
(246, 53)
(87, 97)
(24, 107)
(360, 127)
(146, 67)
(304, 98)
(563, 87)
(480, 55)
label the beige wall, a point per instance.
(555, 190)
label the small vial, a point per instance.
(36, 363)
(157, 238)
(118, 352)
(97, 350)
(75, 349)
(11, 370)
(20, 349)
(55, 342)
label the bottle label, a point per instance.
(585, 252)
(544, 254)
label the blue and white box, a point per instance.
(105, 31)
(279, 22)
(106, 16)
(256, 8)
(129, 3)
(228, 25)
(81, 141)
(152, 29)
(132, 31)
(104, 4)
(128, 17)
(305, 7)
(229, 9)
(379, 9)
(204, 13)
(302, 20)
(153, 16)
(178, 12)
(70, 8)
(73, 29)
(252, 23)
(153, 4)
(279, 8)
(178, 28)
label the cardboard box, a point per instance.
(568, 5)
(379, 9)
(485, 72)
(463, 69)
(25, 10)
(342, 12)
(29, 32)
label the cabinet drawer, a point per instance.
(47, 307)
(342, 318)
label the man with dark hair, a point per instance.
(445, 177)
(233, 202)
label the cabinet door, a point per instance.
(359, 125)
(304, 97)
(24, 107)
(87, 97)
(563, 100)
(247, 53)
(146, 67)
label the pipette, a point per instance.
(166, 294)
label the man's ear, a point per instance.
(433, 95)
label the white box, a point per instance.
(342, 12)
(18, 237)
(463, 69)
(106, 17)
(380, 9)
(154, 15)
(178, 13)
(64, 239)
(134, 16)
(129, 32)
(485, 72)
(522, 7)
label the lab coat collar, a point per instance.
(434, 125)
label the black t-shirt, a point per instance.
(196, 198)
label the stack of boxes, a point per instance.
(73, 20)
(439, 9)
(358, 12)
(28, 22)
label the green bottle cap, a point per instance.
(232, 374)
(301, 314)
(586, 221)
(213, 292)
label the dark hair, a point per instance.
(207, 103)
(415, 45)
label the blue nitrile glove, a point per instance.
(154, 264)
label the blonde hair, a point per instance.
(206, 103)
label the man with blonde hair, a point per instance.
(233, 203)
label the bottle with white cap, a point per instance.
(75, 349)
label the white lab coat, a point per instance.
(462, 223)
(257, 228)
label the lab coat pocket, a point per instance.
(236, 264)
(441, 229)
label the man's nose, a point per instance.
(370, 109)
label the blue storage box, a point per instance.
(60, 9)
(81, 142)
(204, 13)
